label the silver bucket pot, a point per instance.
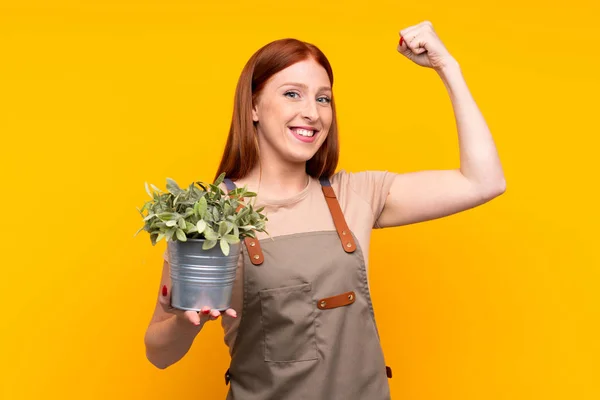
(201, 277)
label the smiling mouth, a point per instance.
(304, 132)
(304, 135)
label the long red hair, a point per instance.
(241, 150)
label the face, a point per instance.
(295, 97)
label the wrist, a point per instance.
(448, 68)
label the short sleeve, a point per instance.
(372, 186)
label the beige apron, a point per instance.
(307, 328)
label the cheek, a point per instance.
(327, 117)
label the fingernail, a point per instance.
(401, 40)
(205, 311)
(164, 290)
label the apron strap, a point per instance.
(346, 238)
(253, 245)
(229, 183)
(339, 221)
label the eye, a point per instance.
(286, 93)
(327, 99)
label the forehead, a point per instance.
(307, 72)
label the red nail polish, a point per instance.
(401, 40)
(164, 290)
(205, 311)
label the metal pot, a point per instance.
(201, 277)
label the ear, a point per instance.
(254, 113)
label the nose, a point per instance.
(310, 111)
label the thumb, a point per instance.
(165, 299)
(403, 47)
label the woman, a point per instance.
(306, 328)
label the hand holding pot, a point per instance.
(197, 318)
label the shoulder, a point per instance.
(361, 181)
(369, 188)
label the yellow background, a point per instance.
(97, 97)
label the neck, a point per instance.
(277, 181)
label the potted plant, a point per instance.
(203, 227)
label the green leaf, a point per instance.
(224, 246)
(157, 189)
(220, 179)
(173, 187)
(181, 222)
(181, 235)
(168, 216)
(216, 214)
(231, 239)
(190, 228)
(148, 190)
(243, 212)
(222, 228)
(209, 234)
(201, 226)
(172, 222)
(160, 237)
(216, 190)
(209, 244)
(149, 217)
(202, 206)
(170, 233)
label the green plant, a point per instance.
(204, 212)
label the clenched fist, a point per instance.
(420, 44)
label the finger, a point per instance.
(403, 45)
(231, 312)
(165, 300)
(192, 317)
(416, 44)
(214, 314)
(204, 314)
(409, 30)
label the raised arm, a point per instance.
(425, 195)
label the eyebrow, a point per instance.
(304, 86)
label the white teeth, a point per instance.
(304, 132)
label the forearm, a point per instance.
(169, 340)
(479, 161)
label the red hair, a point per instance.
(241, 150)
